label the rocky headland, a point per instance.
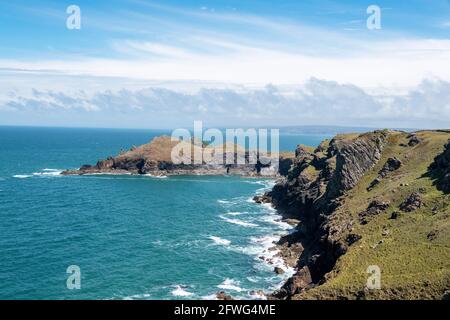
(378, 198)
(156, 158)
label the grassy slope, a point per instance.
(411, 265)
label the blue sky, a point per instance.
(205, 58)
(36, 29)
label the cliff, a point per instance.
(155, 158)
(378, 198)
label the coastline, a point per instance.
(315, 190)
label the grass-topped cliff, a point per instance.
(165, 156)
(379, 198)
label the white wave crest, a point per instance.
(239, 222)
(230, 284)
(157, 177)
(48, 172)
(180, 292)
(21, 176)
(236, 213)
(220, 241)
(138, 296)
(276, 220)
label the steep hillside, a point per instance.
(378, 198)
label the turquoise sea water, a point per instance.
(132, 237)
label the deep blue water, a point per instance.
(132, 237)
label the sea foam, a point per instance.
(239, 222)
(180, 292)
(230, 284)
(220, 241)
(21, 176)
(48, 172)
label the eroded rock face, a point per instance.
(311, 192)
(354, 159)
(440, 169)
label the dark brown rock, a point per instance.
(440, 169)
(413, 140)
(432, 235)
(391, 164)
(221, 295)
(352, 238)
(278, 270)
(395, 215)
(374, 208)
(412, 202)
(296, 284)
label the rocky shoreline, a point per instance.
(315, 192)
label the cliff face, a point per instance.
(331, 190)
(441, 169)
(156, 158)
(311, 192)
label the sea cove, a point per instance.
(133, 237)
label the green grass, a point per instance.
(412, 266)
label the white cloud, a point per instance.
(315, 102)
(207, 47)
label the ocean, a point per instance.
(133, 237)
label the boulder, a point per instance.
(278, 270)
(412, 202)
(395, 215)
(352, 238)
(413, 140)
(391, 164)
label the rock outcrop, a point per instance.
(374, 208)
(440, 169)
(413, 140)
(412, 203)
(391, 164)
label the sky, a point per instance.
(164, 64)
